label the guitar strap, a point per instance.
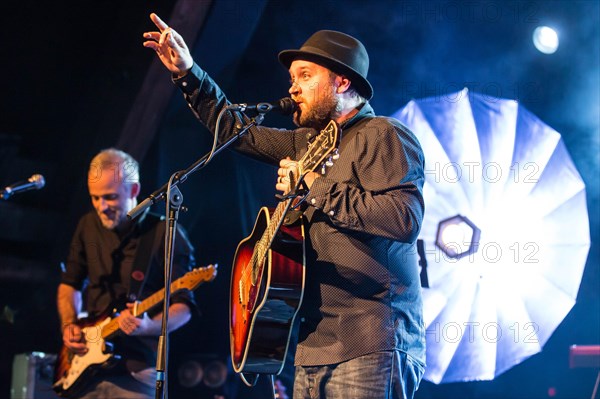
(147, 247)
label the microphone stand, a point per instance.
(182, 175)
(173, 206)
(175, 200)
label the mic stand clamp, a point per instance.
(292, 194)
(297, 196)
(300, 190)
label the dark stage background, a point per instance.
(76, 79)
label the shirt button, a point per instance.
(184, 84)
(303, 320)
(331, 213)
(313, 201)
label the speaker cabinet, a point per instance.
(32, 376)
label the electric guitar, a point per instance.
(72, 371)
(267, 280)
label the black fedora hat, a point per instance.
(337, 51)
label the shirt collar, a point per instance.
(365, 111)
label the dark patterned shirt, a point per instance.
(100, 262)
(362, 291)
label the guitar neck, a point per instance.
(276, 220)
(267, 238)
(151, 301)
(317, 151)
(113, 326)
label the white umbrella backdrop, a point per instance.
(490, 160)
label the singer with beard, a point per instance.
(115, 262)
(361, 333)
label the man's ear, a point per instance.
(343, 84)
(135, 190)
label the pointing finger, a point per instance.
(160, 24)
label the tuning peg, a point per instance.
(336, 154)
(329, 162)
(323, 169)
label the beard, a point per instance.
(115, 217)
(111, 219)
(319, 113)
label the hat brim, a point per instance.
(362, 85)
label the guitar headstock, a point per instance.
(194, 278)
(320, 148)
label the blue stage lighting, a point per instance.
(545, 39)
(457, 237)
(526, 236)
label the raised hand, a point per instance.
(169, 46)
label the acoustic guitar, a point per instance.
(267, 280)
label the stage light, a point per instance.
(545, 39)
(205, 375)
(516, 180)
(457, 237)
(190, 374)
(215, 374)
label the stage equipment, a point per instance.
(545, 39)
(32, 374)
(457, 237)
(586, 356)
(510, 175)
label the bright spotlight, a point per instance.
(457, 237)
(545, 39)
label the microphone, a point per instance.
(35, 182)
(285, 106)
